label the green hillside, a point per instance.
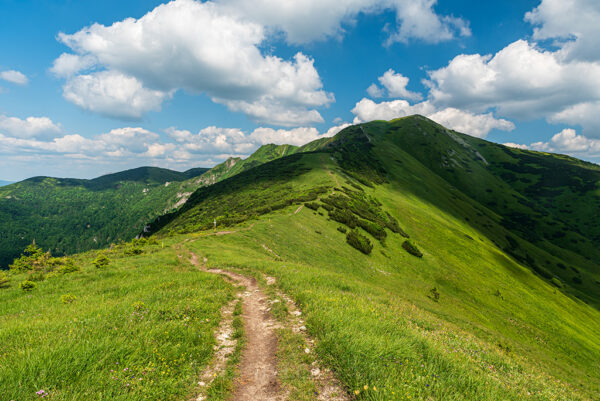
(427, 264)
(71, 215)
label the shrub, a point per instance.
(434, 295)
(68, 298)
(412, 249)
(394, 227)
(134, 251)
(27, 285)
(101, 261)
(377, 231)
(359, 241)
(4, 279)
(312, 205)
(556, 282)
(342, 229)
(344, 217)
(327, 207)
(68, 267)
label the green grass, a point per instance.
(139, 329)
(377, 325)
(516, 315)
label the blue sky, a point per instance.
(88, 88)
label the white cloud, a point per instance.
(525, 81)
(395, 84)
(375, 91)
(67, 65)
(478, 125)
(567, 141)
(573, 24)
(304, 21)
(194, 46)
(29, 127)
(516, 145)
(16, 77)
(113, 94)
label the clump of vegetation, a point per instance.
(344, 217)
(36, 276)
(434, 294)
(377, 231)
(68, 267)
(412, 248)
(68, 298)
(33, 258)
(342, 229)
(556, 282)
(312, 205)
(359, 241)
(134, 250)
(101, 261)
(27, 285)
(4, 279)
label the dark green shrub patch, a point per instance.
(312, 205)
(377, 231)
(27, 285)
(344, 217)
(101, 261)
(4, 279)
(394, 227)
(359, 241)
(342, 229)
(412, 249)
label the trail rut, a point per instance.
(257, 378)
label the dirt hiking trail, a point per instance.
(257, 378)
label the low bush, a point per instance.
(68, 267)
(36, 276)
(344, 217)
(412, 249)
(27, 285)
(101, 261)
(377, 231)
(312, 205)
(556, 282)
(359, 241)
(68, 298)
(134, 250)
(394, 227)
(4, 279)
(434, 295)
(342, 229)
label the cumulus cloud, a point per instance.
(395, 85)
(569, 142)
(573, 24)
(113, 94)
(478, 125)
(526, 81)
(304, 21)
(16, 77)
(194, 46)
(29, 127)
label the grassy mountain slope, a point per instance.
(479, 316)
(474, 317)
(72, 215)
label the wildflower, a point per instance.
(357, 392)
(366, 387)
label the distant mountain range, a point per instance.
(3, 183)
